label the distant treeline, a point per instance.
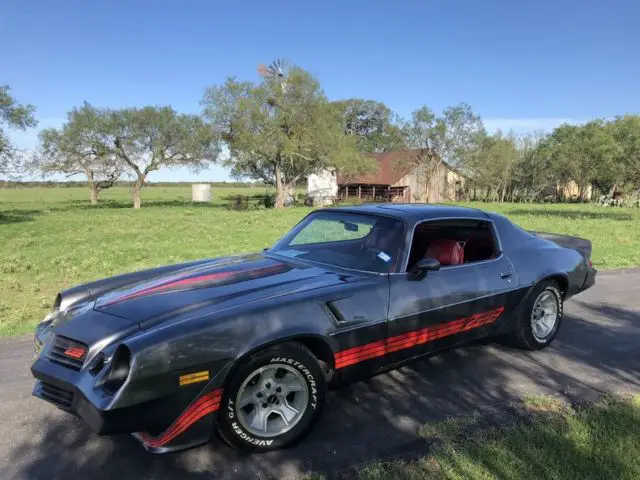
(124, 183)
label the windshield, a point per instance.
(348, 240)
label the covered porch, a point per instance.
(374, 193)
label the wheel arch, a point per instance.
(318, 345)
(561, 279)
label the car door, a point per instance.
(358, 309)
(455, 304)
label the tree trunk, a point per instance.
(281, 192)
(137, 201)
(94, 194)
(581, 192)
(93, 187)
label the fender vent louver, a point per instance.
(334, 313)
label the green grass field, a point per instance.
(556, 442)
(52, 239)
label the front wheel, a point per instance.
(273, 399)
(541, 318)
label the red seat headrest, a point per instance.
(446, 251)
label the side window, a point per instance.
(453, 242)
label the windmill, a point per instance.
(275, 71)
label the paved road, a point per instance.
(596, 351)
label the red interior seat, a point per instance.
(446, 251)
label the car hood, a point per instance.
(222, 283)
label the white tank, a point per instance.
(201, 192)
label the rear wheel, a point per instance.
(541, 318)
(273, 399)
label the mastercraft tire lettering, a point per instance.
(273, 399)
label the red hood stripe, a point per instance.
(185, 282)
(200, 279)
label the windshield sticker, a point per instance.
(384, 257)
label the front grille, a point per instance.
(68, 352)
(59, 396)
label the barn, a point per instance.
(396, 179)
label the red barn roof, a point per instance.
(392, 166)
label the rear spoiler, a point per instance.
(581, 245)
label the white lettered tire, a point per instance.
(542, 317)
(273, 399)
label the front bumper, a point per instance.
(173, 422)
(590, 278)
(63, 387)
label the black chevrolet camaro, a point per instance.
(248, 345)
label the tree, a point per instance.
(454, 136)
(16, 116)
(280, 130)
(147, 139)
(81, 146)
(533, 172)
(493, 164)
(586, 154)
(372, 123)
(626, 131)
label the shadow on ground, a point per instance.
(126, 204)
(225, 202)
(375, 419)
(17, 216)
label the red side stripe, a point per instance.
(417, 337)
(185, 419)
(205, 405)
(412, 339)
(194, 417)
(425, 337)
(399, 338)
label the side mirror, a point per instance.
(420, 269)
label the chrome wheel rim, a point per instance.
(544, 316)
(272, 400)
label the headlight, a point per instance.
(118, 370)
(50, 318)
(46, 325)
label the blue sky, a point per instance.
(521, 65)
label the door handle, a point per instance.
(505, 275)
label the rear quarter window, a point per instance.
(511, 235)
